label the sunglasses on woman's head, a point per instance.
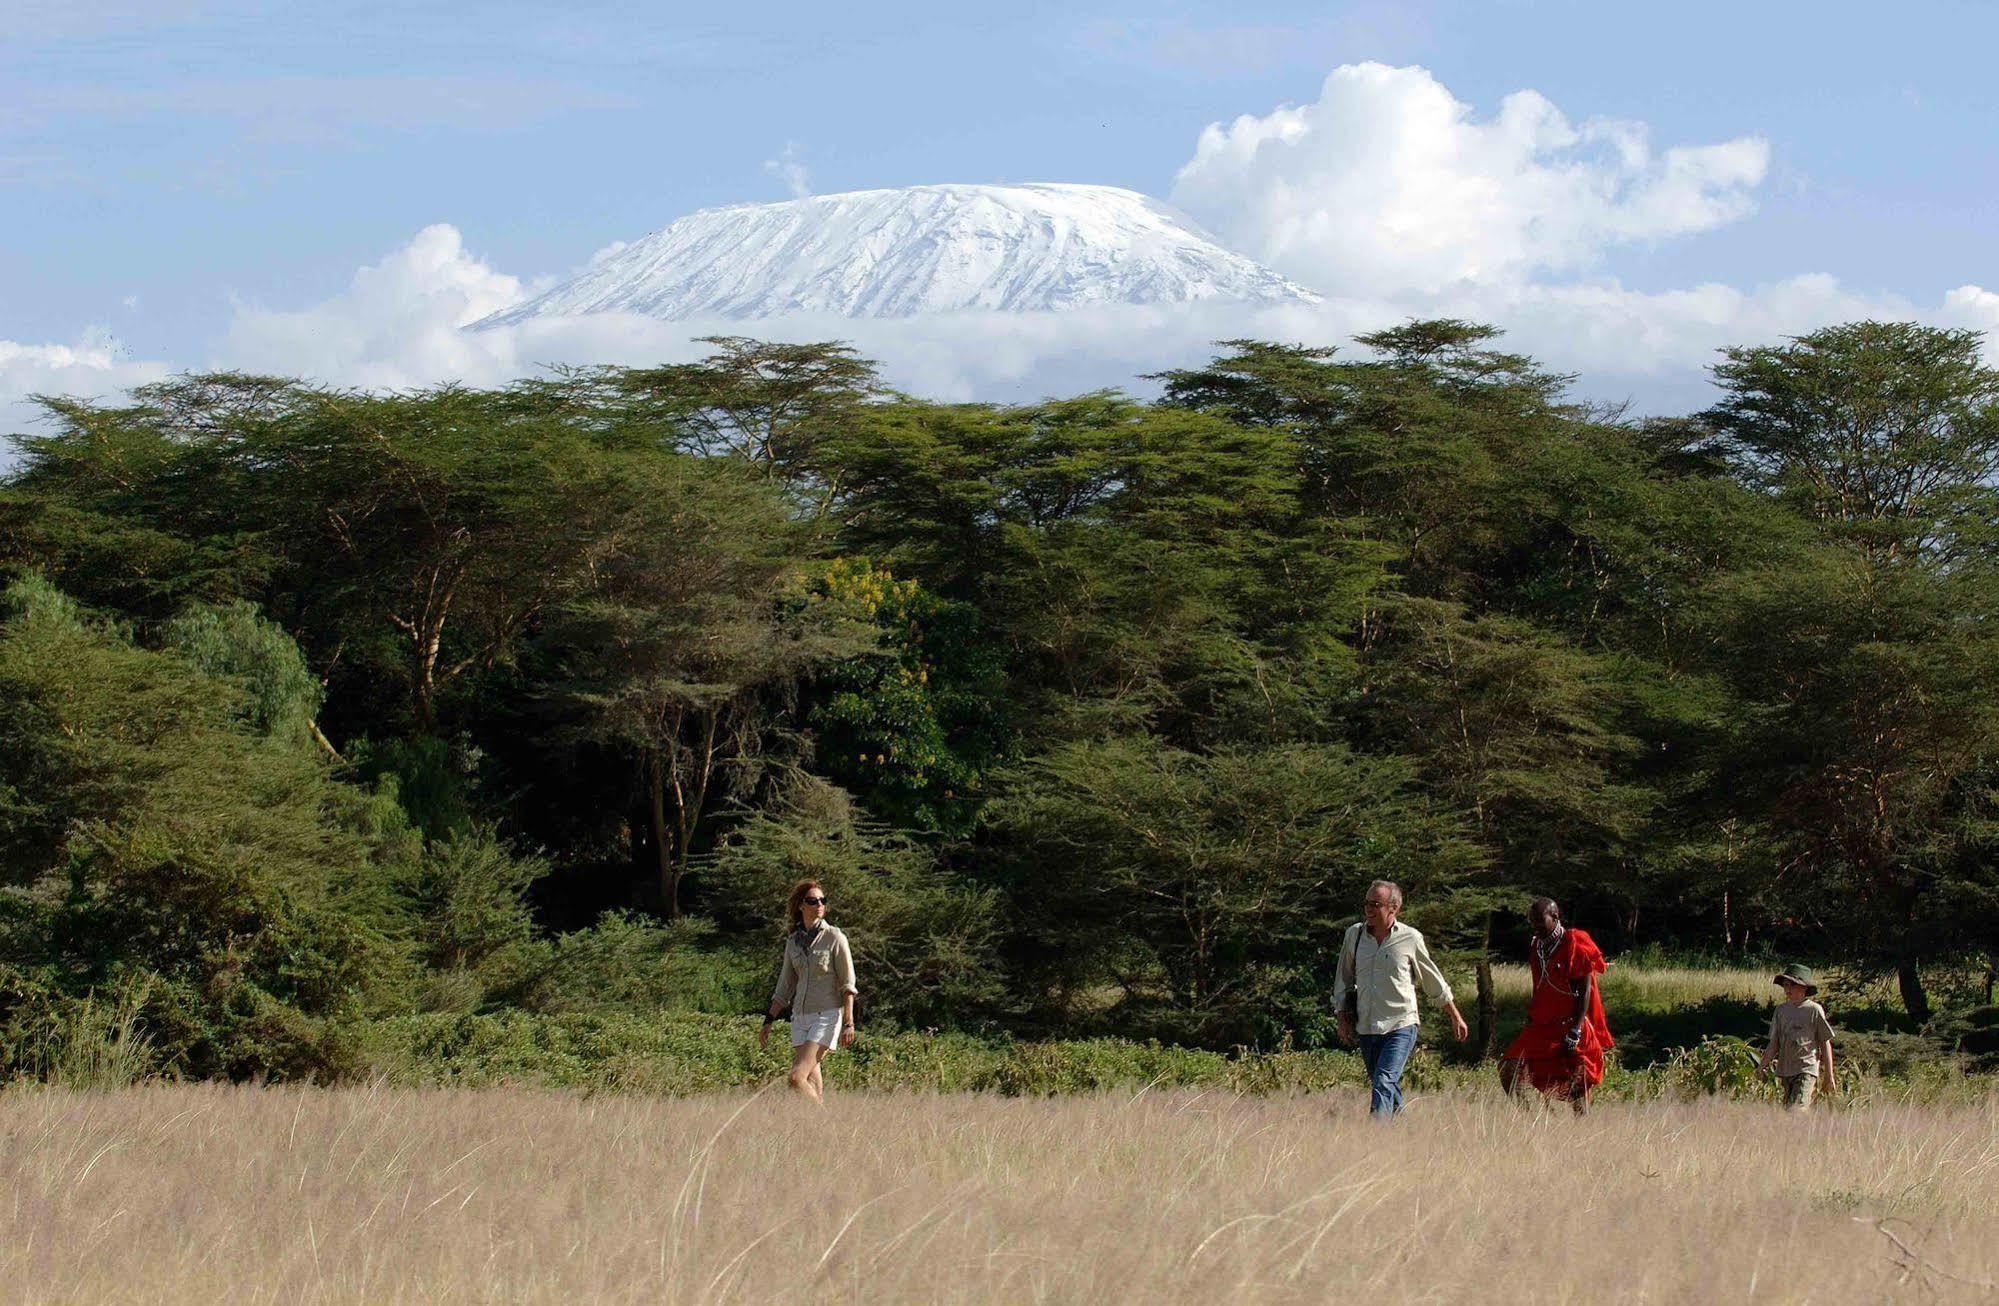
(813, 902)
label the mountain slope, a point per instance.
(923, 249)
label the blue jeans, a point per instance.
(1385, 1056)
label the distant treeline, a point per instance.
(1095, 714)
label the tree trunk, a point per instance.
(664, 865)
(1488, 1011)
(1913, 998)
(1488, 1000)
(425, 701)
(319, 737)
(1991, 976)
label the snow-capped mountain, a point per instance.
(922, 249)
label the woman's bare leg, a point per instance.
(805, 1069)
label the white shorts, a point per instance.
(821, 1027)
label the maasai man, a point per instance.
(1561, 1051)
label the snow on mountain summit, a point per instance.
(921, 249)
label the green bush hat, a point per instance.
(1798, 975)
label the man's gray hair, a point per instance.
(1389, 885)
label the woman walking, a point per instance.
(816, 981)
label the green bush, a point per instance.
(233, 641)
(155, 833)
(924, 943)
(468, 892)
(694, 1053)
(584, 1050)
(88, 1042)
(631, 963)
(1720, 1065)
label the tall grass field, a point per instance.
(631, 1158)
(236, 1194)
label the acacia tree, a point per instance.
(1420, 444)
(137, 506)
(453, 518)
(1146, 568)
(689, 647)
(1869, 653)
(771, 405)
(1887, 433)
(1524, 733)
(422, 533)
(1200, 884)
(1493, 503)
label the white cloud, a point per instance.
(788, 168)
(1388, 184)
(1974, 307)
(1396, 200)
(395, 325)
(93, 366)
(398, 326)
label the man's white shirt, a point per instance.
(1384, 976)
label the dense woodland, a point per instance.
(1096, 714)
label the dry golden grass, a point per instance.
(211, 1193)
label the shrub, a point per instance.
(924, 944)
(630, 963)
(1718, 1065)
(469, 895)
(90, 1042)
(687, 1052)
(1975, 1033)
(156, 834)
(233, 641)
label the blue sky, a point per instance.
(182, 182)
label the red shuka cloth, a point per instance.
(1552, 1067)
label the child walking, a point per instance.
(1800, 1040)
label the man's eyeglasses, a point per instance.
(813, 902)
(1382, 906)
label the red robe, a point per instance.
(1550, 1065)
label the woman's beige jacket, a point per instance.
(818, 976)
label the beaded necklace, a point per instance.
(1543, 951)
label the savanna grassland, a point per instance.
(239, 1194)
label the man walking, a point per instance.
(1382, 962)
(1561, 1050)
